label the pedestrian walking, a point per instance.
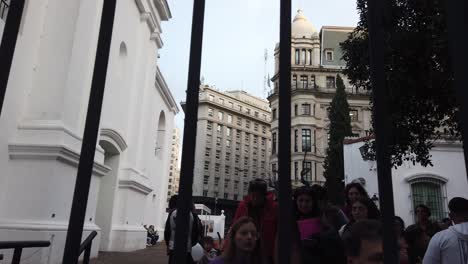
(423, 214)
(451, 245)
(244, 246)
(320, 242)
(261, 207)
(363, 243)
(353, 192)
(362, 209)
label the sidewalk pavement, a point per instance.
(151, 255)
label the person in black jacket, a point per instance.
(170, 228)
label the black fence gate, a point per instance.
(458, 25)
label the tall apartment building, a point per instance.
(315, 63)
(233, 143)
(174, 167)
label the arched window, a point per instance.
(303, 57)
(297, 56)
(160, 135)
(431, 192)
(310, 56)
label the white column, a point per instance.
(316, 55)
(66, 52)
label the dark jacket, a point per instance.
(196, 229)
(324, 247)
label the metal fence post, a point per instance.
(88, 148)
(17, 256)
(284, 133)
(8, 45)
(457, 12)
(376, 18)
(184, 200)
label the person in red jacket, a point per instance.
(259, 204)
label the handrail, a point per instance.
(86, 247)
(23, 244)
(18, 248)
(3, 9)
(87, 241)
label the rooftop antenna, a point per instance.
(266, 79)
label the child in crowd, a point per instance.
(210, 253)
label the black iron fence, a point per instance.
(377, 15)
(4, 5)
(86, 247)
(18, 247)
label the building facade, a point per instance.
(315, 63)
(414, 184)
(43, 119)
(174, 166)
(233, 143)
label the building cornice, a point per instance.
(153, 12)
(166, 94)
(237, 100)
(134, 185)
(51, 152)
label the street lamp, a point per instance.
(216, 203)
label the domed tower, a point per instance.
(315, 63)
(305, 43)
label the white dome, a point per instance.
(301, 27)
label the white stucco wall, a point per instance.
(43, 118)
(448, 161)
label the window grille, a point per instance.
(430, 192)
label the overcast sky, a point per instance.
(236, 34)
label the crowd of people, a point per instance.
(326, 233)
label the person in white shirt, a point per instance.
(451, 245)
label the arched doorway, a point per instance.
(113, 145)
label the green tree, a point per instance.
(422, 97)
(340, 127)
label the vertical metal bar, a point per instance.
(376, 18)
(184, 200)
(88, 148)
(457, 12)
(284, 135)
(17, 256)
(8, 45)
(87, 253)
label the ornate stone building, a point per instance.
(315, 63)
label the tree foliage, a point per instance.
(340, 127)
(417, 71)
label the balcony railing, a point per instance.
(312, 87)
(4, 6)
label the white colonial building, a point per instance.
(433, 186)
(43, 118)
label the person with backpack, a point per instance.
(170, 230)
